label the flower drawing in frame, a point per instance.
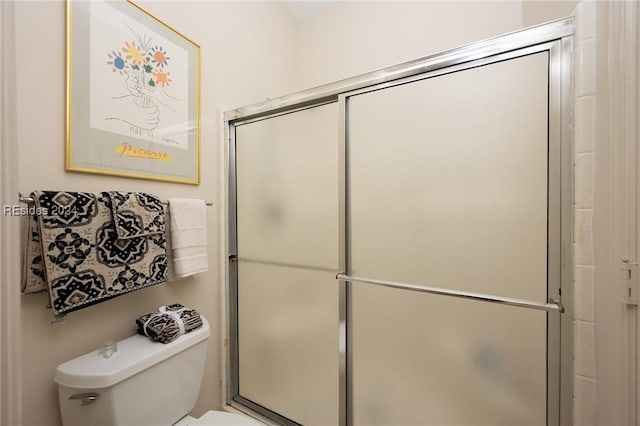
(136, 112)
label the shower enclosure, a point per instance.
(400, 242)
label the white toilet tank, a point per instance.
(143, 383)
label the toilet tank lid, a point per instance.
(135, 354)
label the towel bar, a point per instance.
(29, 200)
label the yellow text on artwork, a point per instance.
(128, 150)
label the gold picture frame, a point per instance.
(133, 94)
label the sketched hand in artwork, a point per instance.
(131, 111)
(162, 98)
(154, 94)
(134, 86)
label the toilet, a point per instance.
(144, 383)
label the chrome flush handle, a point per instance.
(87, 398)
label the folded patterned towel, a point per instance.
(85, 248)
(136, 214)
(169, 323)
(34, 278)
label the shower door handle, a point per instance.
(552, 305)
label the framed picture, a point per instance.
(133, 94)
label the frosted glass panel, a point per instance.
(287, 180)
(449, 180)
(287, 225)
(423, 359)
(288, 341)
(448, 186)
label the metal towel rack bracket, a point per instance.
(552, 305)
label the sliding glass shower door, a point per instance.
(400, 243)
(448, 187)
(287, 255)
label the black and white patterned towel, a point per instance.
(136, 214)
(74, 250)
(169, 323)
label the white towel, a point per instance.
(188, 236)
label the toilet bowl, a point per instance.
(143, 383)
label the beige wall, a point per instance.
(357, 37)
(246, 54)
(614, 76)
(536, 12)
(352, 38)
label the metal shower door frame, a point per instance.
(557, 39)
